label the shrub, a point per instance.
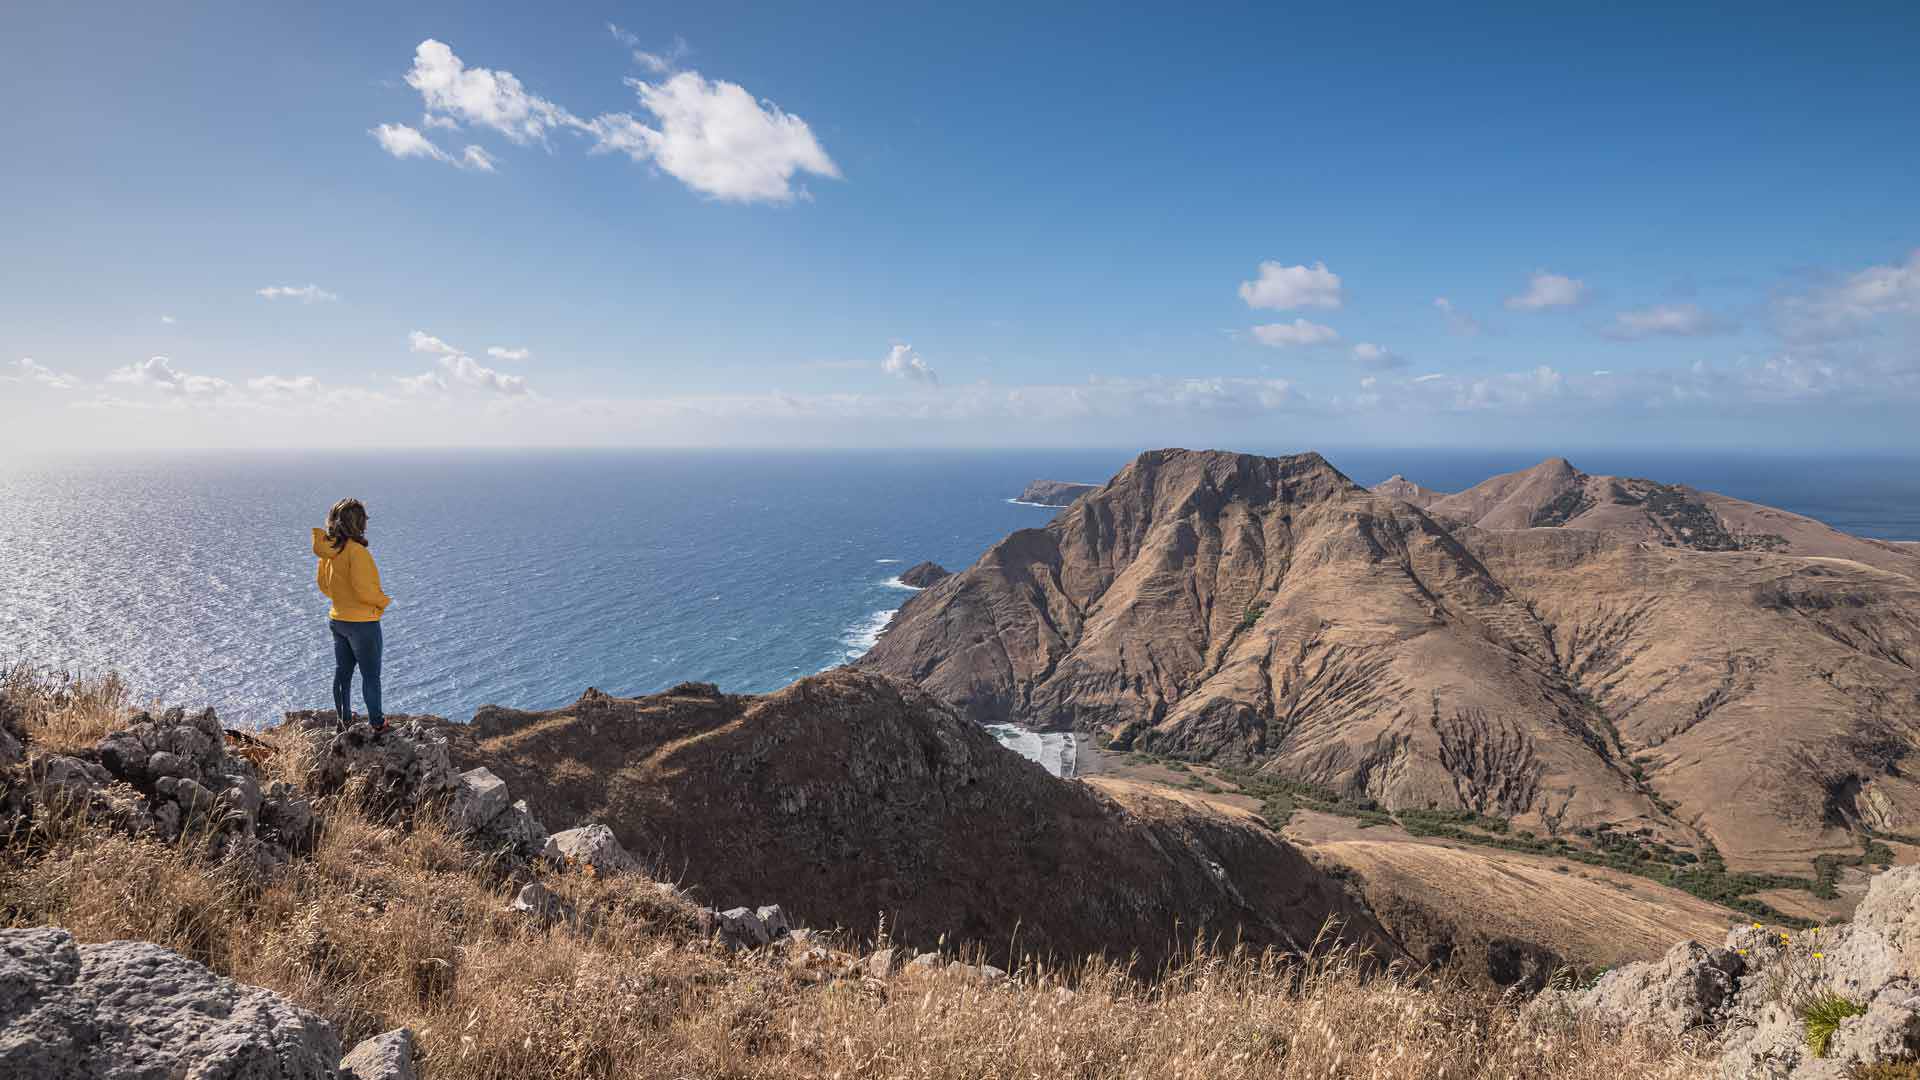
(1823, 1015)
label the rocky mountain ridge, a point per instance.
(1749, 702)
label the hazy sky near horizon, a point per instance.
(719, 224)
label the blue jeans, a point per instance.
(356, 642)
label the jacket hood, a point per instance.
(324, 547)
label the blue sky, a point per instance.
(959, 225)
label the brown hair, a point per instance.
(347, 521)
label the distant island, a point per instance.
(1053, 492)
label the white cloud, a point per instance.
(1429, 378)
(285, 385)
(404, 142)
(717, 139)
(1457, 321)
(465, 371)
(26, 370)
(713, 136)
(455, 370)
(1376, 358)
(1548, 290)
(159, 374)
(1678, 320)
(1839, 310)
(479, 96)
(421, 341)
(168, 319)
(501, 352)
(1285, 287)
(1299, 332)
(306, 294)
(904, 362)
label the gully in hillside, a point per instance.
(347, 576)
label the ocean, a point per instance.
(522, 578)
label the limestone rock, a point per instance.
(879, 964)
(404, 769)
(774, 920)
(740, 928)
(591, 845)
(383, 1057)
(1684, 990)
(130, 1010)
(480, 798)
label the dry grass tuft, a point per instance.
(62, 712)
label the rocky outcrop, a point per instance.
(128, 1010)
(406, 768)
(383, 1057)
(1778, 1004)
(174, 777)
(1054, 492)
(923, 575)
(1268, 613)
(849, 794)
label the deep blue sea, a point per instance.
(523, 578)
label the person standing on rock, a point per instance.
(347, 576)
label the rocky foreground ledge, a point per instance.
(132, 1009)
(1803, 1004)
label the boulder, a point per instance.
(590, 845)
(880, 963)
(774, 920)
(129, 1010)
(479, 799)
(740, 928)
(383, 1057)
(1684, 990)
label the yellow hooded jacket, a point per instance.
(347, 576)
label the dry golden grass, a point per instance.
(64, 712)
(383, 926)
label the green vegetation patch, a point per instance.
(1823, 1015)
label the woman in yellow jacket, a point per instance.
(347, 577)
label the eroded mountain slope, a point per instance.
(1267, 612)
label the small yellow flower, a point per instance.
(1742, 952)
(1819, 956)
(1757, 926)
